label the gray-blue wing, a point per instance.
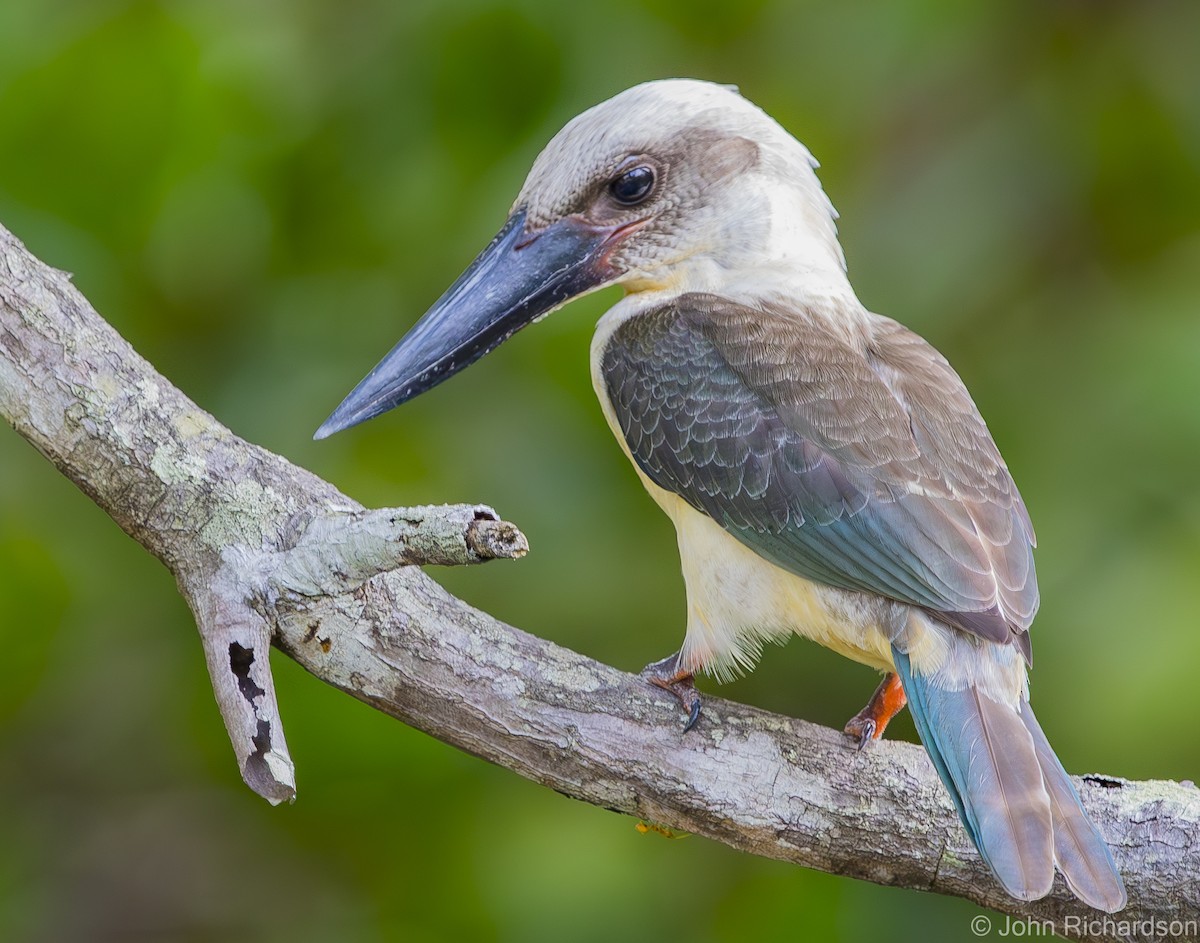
(863, 467)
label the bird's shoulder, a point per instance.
(872, 393)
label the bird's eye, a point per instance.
(633, 186)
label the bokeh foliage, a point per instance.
(262, 196)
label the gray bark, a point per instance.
(266, 552)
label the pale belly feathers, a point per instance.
(737, 601)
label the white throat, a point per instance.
(788, 247)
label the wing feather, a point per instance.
(865, 467)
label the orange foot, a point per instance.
(870, 722)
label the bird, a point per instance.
(825, 468)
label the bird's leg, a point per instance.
(870, 722)
(667, 675)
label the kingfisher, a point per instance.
(826, 470)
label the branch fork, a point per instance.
(336, 553)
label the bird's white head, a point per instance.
(699, 182)
(675, 185)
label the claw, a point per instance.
(667, 674)
(861, 728)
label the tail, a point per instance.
(1012, 794)
(1079, 850)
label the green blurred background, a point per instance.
(262, 196)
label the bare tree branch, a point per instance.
(267, 552)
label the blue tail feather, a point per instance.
(919, 708)
(1079, 849)
(985, 755)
